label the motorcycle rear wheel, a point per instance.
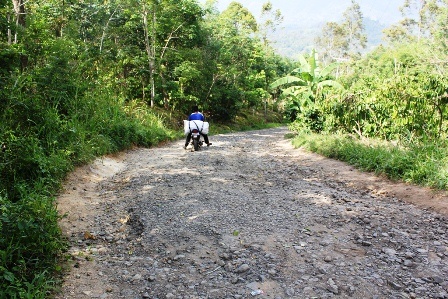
(196, 144)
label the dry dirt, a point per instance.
(250, 213)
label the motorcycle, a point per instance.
(196, 140)
(196, 127)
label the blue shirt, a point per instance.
(196, 116)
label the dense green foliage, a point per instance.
(397, 93)
(80, 79)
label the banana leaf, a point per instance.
(286, 80)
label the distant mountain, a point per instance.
(374, 30)
(292, 40)
(304, 19)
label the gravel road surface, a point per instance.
(248, 217)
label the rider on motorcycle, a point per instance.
(196, 115)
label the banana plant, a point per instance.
(307, 81)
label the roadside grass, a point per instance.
(422, 163)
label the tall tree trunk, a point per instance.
(165, 94)
(19, 10)
(170, 37)
(103, 36)
(9, 29)
(150, 49)
(153, 61)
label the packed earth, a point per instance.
(248, 217)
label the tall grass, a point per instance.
(423, 162)
(29, 245)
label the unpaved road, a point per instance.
(249, 213)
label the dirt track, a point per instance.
(255, 214)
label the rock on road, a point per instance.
(248, 217)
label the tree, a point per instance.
(435, 13)
(232, 47)
(20, 17)
(240, 18)
(143, 44)
(353, 24)
(412, 25)
(332, 42)
(150, 43)
(310, 79)
(345, 40)
(421, 19)
(398, 33)
(270, 19)
(425, 22)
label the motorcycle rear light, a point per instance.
(195, 131)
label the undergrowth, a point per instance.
(422, 163)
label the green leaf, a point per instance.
(295, 90)
(9, 276)
(329, 69)
(313, 63)
(304, 65)
(331, 83)
(286, 80)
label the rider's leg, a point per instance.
(206, 139)
(187, 141)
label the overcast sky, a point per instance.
(317, 11)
